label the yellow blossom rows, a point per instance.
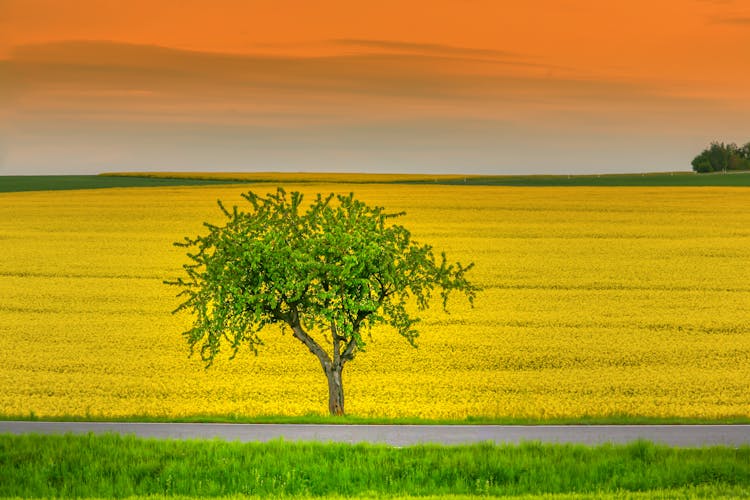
(596, 301)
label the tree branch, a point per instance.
(337, 339)
(301, 335)
(361, 316)
(314, 347)
(350, 350)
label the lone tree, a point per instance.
(329, 271)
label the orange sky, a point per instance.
(464, 85)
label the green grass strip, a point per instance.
(707, 492)
(33, 466)
(354, 419)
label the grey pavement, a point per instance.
(405, 435)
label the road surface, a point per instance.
(405, 435)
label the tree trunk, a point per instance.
(335, 390)
(331, 367)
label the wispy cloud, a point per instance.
(102, 67)
(739, 20)
(423, 48)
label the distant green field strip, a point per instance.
(738, 179)
(15, 183)
(34, 466)
(66, 182)
(612, 180)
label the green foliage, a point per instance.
(112, 466)
(337, 266)
(720, 157)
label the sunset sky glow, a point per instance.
(474, 86)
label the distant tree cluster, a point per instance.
(720, 157)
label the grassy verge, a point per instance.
(110, 465)
(353, 419)
(703, 492)
(714, 493)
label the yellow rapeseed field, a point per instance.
(596, 301)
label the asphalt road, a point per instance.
(405, 435)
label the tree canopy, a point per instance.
(329, 271)
(720, 157)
